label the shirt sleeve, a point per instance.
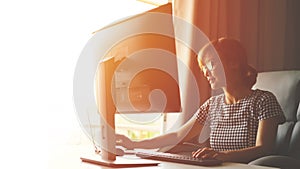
(269, 107)
(202, 112)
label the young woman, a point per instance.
(243, 122)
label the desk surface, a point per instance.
(66, 156)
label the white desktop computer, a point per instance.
(137, 75)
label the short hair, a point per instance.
(230, 50)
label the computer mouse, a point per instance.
(119, 152)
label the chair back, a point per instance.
(285, 85)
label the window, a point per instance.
(144, 130)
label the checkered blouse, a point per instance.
(234, 126)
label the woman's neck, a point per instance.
(234, 95)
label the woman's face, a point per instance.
(213, 70)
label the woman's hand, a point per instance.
(124, 141)
(207, 153)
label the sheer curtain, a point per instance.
(194, 86)
(269, 29)
(270, 32)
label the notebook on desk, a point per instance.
(120, 162)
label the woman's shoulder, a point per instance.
(213, 100)
(264, 98)
(263, 94)
(217, 97)
(268, 105)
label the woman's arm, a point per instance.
(265, 142)
(188, 131)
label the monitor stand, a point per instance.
(107, 156)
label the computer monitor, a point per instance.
(138, 74)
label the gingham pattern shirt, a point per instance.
(234, 126)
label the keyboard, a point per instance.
(177, 158)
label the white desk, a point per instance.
(62, 157)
